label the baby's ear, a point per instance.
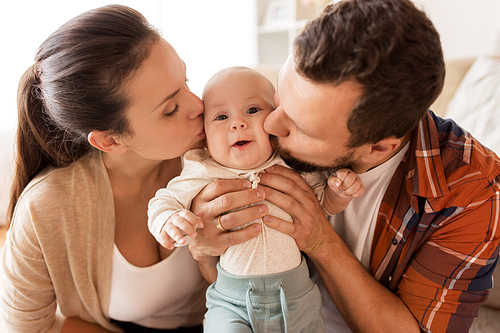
(106, 142)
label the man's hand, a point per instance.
(288, 190)
(216, 200)
(365, 304)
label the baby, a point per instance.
(263, 282)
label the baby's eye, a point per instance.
(252, 110)
(221, 117)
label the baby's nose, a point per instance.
(239, 124)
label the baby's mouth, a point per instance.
(241, 143)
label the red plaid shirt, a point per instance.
(436, 241)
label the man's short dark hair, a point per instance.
(388, 46)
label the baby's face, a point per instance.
(236, 106)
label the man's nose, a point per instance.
(275, 123)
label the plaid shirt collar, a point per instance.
(425, 153)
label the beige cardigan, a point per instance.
(60, 246)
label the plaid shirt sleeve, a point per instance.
(437, 237)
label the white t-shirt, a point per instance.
(356, 226)
(169, 294)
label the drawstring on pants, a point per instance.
(251, 313)
(284, 307)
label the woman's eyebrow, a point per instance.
(172, 95)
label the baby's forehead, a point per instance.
(235, 77)
(237, 85)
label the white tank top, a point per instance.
(169, 294)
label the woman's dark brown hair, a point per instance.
(391, 48)
(74, 87)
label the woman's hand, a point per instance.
(288, 190)
(213, 201)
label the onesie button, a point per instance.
(394, 241)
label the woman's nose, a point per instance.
(197, 107)
(276, 123)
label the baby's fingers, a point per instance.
(166, 241)
(176, 230)
(180, 228)
(350, 183)
(194, 221)
(356, 190)
(334, 183)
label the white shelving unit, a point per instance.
(278, 23)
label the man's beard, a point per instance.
(301, 166)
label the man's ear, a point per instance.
(381, 151)
(106, 142)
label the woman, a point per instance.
(104, 116)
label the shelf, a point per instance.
(278, 23)
(272, 28)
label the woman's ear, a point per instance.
(106, 142)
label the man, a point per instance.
(417, 251)
(356, 92)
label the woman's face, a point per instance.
(165, 117)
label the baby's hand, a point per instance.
(343, 186)
(179, 229)
(346, 183)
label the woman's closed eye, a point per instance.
(173, 112)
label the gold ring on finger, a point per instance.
(219, 225)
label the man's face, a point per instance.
(310, 124)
